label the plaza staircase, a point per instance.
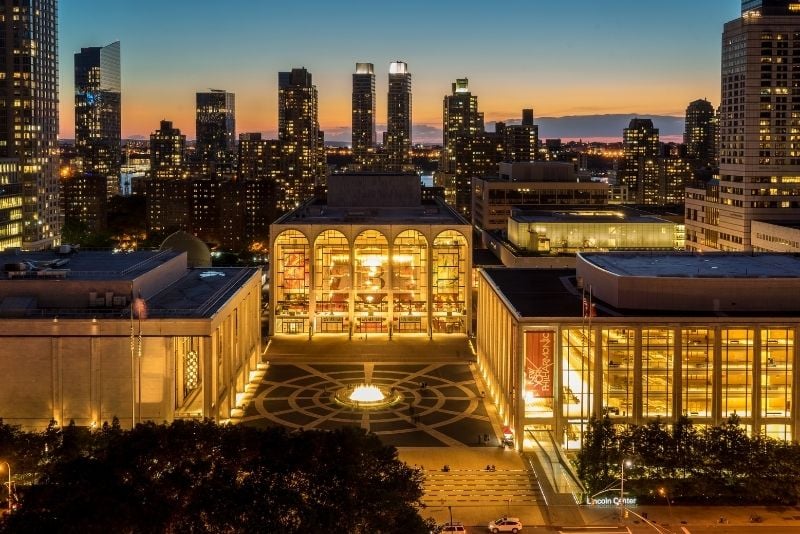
(479, 487)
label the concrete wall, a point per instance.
(86, 370)
(374, 190)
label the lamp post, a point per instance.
(623, 464)
(8, 466)
(664, 494)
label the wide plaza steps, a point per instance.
(480, 487)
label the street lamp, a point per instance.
(623, 464)
(663, 493)
(8, 466)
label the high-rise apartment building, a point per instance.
(363, 127)
(521, 140)
(167, 152)
(215, 129)
(467, 151)
(10, 204)
(638, 168)
(759, 159)
(298, 129)
(700, 133)
(29, 112)
(398, 124)
(98, 113)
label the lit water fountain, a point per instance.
(367, 396)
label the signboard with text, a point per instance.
(539, 347)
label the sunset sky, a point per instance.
(561, 58)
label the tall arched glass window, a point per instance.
(410, 282)
(371, 281)
(292, 282)
(449, 289)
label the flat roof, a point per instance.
(199, 293)
(538, 292)
(90, 264)
(318, 212)
(554, 293)
(697, 265)
(588, 216)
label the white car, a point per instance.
(453, 527)
(505, 524)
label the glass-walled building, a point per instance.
(575, 230)
(667, 345)
(340, 267)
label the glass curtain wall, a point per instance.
(697, 369)
(371, 282)
(449, 282)
(737, 372)
(577, 364)
(332, 282)
(657, 353)
(410, 282)
(292, 282)
(618, 366)
(777, 366)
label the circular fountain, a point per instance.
(366, 396)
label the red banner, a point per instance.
(539, 347)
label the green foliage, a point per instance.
(202, 477)
(721, 465)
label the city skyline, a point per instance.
(560, 62)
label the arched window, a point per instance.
(332, 283)
(371, 283)
(292, 282)
(410, 281)
(449, 284)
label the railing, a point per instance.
(560, 473)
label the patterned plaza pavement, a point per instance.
(448, 412)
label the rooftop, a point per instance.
(317, 212)
(82, 265)
(594, 216)
(689, 265)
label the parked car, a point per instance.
(453, 527)
(505, 524)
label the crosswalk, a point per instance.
(480, 487)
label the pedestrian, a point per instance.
(486, 439)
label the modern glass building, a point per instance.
(29, 116)
(643, 336)
(98, 113)
(574, 230)
(373, 259)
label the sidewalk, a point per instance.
(673, 518)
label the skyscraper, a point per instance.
(364, 135)
(98, 113)
(700, 133)
(638, 169)
(215, 129)
(759, 157)
(298, 129)
(29, 116)
(398, 124)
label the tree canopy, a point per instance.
(712, 464)
(202, 477)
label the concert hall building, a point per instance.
(371, 259)
(638, 336)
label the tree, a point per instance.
(599, 458)
(202, 477)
